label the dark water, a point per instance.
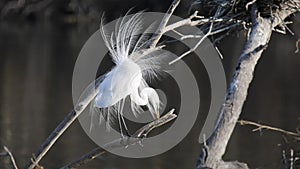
(36, 68)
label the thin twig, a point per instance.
(196, 20)
(209, 32)
(122, 142)
(159, 32)
(189, 21)
(249, 3)
(213, 32)
(195, 47)
(12, 159)
(261, 127)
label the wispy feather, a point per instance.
(136, 64)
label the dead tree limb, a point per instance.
(271, 128)
(49, 142)
(62, 127)
(159, 32)
(236, 96)
(122, 142)
(260, 33)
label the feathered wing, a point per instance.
(154, 64)
(130, 41)
(125, 38)
(89, 93)
(109, 115)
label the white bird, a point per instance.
(135, 64)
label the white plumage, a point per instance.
(135, 64)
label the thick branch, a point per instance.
(45, 147)
(236, 95)
(84, 100)
(260, 34)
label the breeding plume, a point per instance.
(135, 65)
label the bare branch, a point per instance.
(86, 97)
(52, 138)
(236, 95)
(260, 33)
(123, 142)
(12, 159)
(250, 3)
(201, 20)
(189, 21)
(62, 127)
(213, 32)
(287, 8)
(261, 127)
(195, 47)
(159, 32)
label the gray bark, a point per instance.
(260, 33)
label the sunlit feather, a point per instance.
(135, 64)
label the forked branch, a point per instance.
(260, 33)
(11, 157)
(122, 142)
(260, 127)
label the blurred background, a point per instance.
(39, 44)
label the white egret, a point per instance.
(135, 64)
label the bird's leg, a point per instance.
(121, 119)
(120, 125)
(157, 110)
(125, 126)
(120, 109)
(157, 115)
